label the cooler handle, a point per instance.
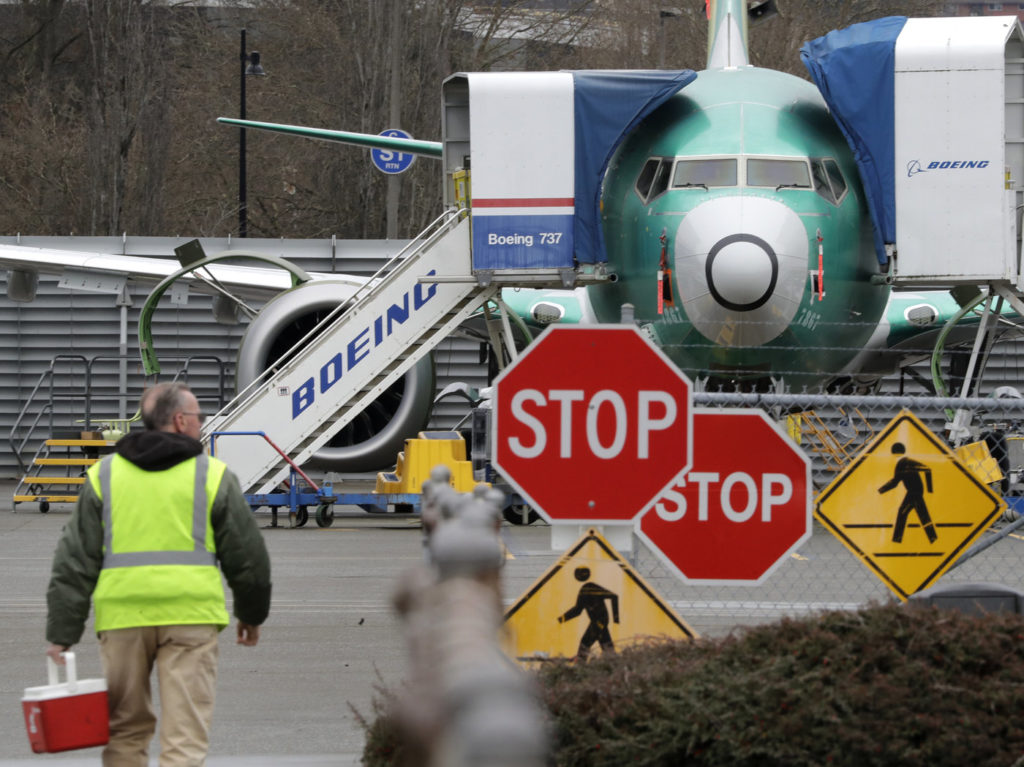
(72, 672)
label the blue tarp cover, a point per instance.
(609, 104)
(854, 70)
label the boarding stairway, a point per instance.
(337, 370)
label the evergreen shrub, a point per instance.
(884, 685)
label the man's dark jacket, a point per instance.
(241, 551)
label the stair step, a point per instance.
(81, 442)
(54, 480)
(44, 497)
(65, 461)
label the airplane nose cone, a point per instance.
(741, 271)
(741, 268)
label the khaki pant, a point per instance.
(186, 662)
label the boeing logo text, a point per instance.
(360, 346)
(914, 166)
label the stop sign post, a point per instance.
(591, 424)
(744, 505)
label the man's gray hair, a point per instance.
(159, 404)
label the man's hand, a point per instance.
(248, 635)
(54, 651)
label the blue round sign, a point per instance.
(388, 160)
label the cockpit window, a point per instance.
(777, 173)
(646, 177)
(821, 183)
(661, 179)
(828, 179)
(836, 177)
(653, 178)
(704, 173)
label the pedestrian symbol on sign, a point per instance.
(943, 492)
(591, 599)
(585, 579)
(910, 472)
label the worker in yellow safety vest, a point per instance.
(153, 521)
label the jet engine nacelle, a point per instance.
(374, 438)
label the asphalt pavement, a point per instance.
(293, 699)
(332, 637)
(331, 640)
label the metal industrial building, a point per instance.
(66, 342)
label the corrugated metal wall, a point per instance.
(61, 323)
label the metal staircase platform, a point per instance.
(63, 475)
(351, 358)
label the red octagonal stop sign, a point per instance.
(742, 508)
(591, 424)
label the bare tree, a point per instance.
(776, 42)
(108, 108)
(39, 34)
(125, 48)
(342, 77)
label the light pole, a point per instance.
(250, 66)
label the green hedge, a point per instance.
(885, 685)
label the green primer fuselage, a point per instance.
(743, 112)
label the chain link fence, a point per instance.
(823, 573)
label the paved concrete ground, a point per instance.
(331, 636)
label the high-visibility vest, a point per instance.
(159, 556)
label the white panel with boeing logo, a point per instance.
(955, 163)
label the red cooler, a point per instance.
(68, 715)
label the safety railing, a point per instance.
(67, 394)
(294, 466)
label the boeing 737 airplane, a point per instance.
(734, 221)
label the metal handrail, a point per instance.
(434, 231)
(47, 380)
(289, 461)
(183, 373)
(47, 409)
(17, 449)
(72, 394)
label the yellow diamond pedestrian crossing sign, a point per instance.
(907, 506)
(590, 601)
